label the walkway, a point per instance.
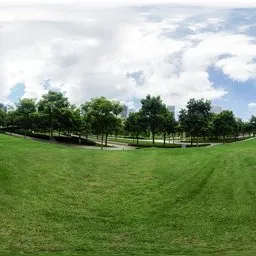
(111, 146)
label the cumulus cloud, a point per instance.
(252, 105)
(122, 53)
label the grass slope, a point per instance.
(68, 201)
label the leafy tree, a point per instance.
(2, 117)
(153, 110)
(102, 114)
(39, 121)
(11, 117)
(3, 110)
(24, 110)
(53, 105)
(240, 128)
(67, 119)
(169, 125)
(253, 124)
(224, 124)
(136, 124)
(77, 123)
(194, 119)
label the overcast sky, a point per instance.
(208, 3)
(178, 50)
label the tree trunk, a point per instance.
(25, 134)
(191, 140)
(137, 139)
(51, 135)
(102, 139)
(173, 138)
(153, 137)
(197, 141)
(164, 139)
(106, 140)
(79, 140)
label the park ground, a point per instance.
(62, 201)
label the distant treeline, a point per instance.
(53, 113)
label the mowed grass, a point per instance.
(57, 201)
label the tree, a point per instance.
(52, 105)
(39, 121)
(224, 124)
(194, 119)
(69, 118)
(102, 115)
(153, 110)
(11, 118)
(136, 124)
(253, 124)
(3, 110)
(240, 128)
(24, 110)
(169, 124)
(2, 117)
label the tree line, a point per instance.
(53, 113)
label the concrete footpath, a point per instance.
(111, 146)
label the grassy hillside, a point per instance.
(68, 201)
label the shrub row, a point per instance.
(166, 146)
(61, 139)
(214, 140)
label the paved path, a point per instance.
(114, 144)
(111, 147)
(175, 142)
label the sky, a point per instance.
(125, 50)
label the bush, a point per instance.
(214, 140)
(74, 140)
(133, 138)
(199, 145)
(60, 139)
(149, 145)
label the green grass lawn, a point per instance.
(61, 201)
(145, 144)
(213, 140)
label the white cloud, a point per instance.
(252, 105)
(105, 3)
(91, 53)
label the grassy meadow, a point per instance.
(62, 201)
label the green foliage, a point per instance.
(169, 125)
(195, 118)
(153, 111)
(102, 115)
(2, 117)
(136, 124)
(54, 105)
(24, 113)
(11, 117)
(224, 124)
(252, 124)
